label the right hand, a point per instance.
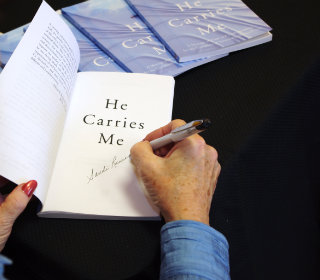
(182, 179)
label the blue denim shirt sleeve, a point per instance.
(193, 250)
(3, 262)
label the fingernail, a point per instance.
(29, 187)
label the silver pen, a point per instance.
(181, 133)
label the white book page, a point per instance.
(35, 89)
(109, 113)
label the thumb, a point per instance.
(12, 207)
(17, 201)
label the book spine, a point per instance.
(97, 43)
(136, 11)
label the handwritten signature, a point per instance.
(114, 164)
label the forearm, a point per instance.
(193, 249)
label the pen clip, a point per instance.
(187, 126)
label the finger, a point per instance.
(142, 155)
(190, 146)
(214, 166)
(16, 202)
(163, 151)
(164, 130)
(167, 150)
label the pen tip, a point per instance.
(206, 123)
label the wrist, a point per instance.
(202, 218)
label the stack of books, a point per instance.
(155, 36)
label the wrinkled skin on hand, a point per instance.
(181, 178)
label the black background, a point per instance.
(263, 103)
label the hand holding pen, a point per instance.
(182, 180)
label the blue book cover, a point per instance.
(200, 28)
(91, 57)
(118, 31)
(8, 43)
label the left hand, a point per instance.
(12, 206)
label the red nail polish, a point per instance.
(29, 187)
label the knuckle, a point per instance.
(14, 206)
(5, 225)
(218, 168)
(200, 141)
(195, 143)
(213, 153)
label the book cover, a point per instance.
(72, 132)
(91, 57)
(196, 29)
(8, 42)
(117, 30)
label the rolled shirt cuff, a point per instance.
(192, 248)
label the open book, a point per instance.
(72, 132)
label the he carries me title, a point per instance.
(176, 22)
(91, 119)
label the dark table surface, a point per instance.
(269, 215)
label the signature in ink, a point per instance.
(114, 164)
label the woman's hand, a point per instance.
(12, 206)
(180, 178)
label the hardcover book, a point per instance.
(8, 42)
(72, 132)
(200, 28)
(118, 31)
